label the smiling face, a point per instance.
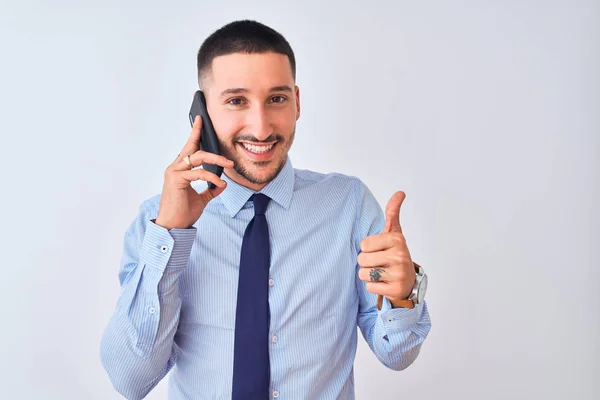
(253, 104)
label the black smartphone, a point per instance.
(208, 137)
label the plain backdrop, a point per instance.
(486, 113)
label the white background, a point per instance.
(486, 113)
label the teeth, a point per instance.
(257, 149)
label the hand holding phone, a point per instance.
(180, 204)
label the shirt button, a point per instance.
(151, 310)
(164, 248)
(271, 282)
(274, 339)
(275, 394)
(391, 319)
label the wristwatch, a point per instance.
(417, 296)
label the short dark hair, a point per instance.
(245, 36)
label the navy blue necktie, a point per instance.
(251, 370)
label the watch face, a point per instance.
(422, 290)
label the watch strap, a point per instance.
(402, 304)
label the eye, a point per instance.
(236, 101)
(278, 99)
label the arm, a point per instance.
(394, 335)
(137, 348)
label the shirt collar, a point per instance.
(279, 190)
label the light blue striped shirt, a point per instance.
(176, 310)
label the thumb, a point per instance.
(392, 213)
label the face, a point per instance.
(254, 105)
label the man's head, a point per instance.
(247, 72)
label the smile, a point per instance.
(259, 152)
(258, 149)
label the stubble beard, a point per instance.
(248, 174)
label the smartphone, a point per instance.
(208, 137)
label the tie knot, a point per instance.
(261, 201)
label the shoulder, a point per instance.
(332, 181)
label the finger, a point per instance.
(378, 274)
(201, 157)
(380, 288)
(202, 174)
(392, 213)
(382, 241)
(377, 259)
(193, 143)
(210, 194)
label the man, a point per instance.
(253, 289)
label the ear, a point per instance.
(297, 102)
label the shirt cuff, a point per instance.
(399, 319)
(163, 248)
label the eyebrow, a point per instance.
(282, 88)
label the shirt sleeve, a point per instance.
(137, 348)
(395, 335)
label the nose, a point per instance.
(258, 122)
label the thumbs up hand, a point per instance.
(385, 260)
